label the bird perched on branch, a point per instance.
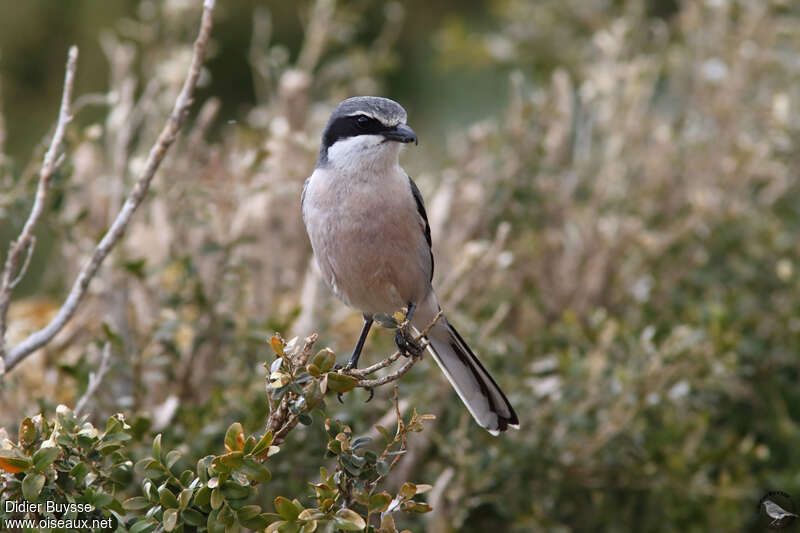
(369, 231)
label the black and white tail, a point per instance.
(485, 401)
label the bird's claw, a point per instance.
(406, 343)
(371, 395)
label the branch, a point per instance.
(280, 420)
(132, 202)
(361, 374)
(94, 379)
(25, 242)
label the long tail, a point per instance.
(481, 395)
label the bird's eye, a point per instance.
(363, 122)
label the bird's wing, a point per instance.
(424, 219)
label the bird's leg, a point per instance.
(353, 362)
(403, 337)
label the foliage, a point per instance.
(69, 461)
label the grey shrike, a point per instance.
(369, 231)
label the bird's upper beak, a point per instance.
(401, 133)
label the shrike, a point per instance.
(369, 231)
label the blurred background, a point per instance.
(613, 193)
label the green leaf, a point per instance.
(380, 502)
(255, 471)
(234, 438)
(27, 432)
(44, 457)
(228, 462)
(249, 444)
(349, 520)
(143, 526)
(79, 472)
(408, 490)
(118, 436)
(247, 512)
(263, 444)
(324, 360)
(202, 497)
(234, 491)
(172, 458)
(184, 498)
(341, 382)
(157, 447)
(193, 518)
(333, 427)
(416, 507)
(214, 525)
(170, 519)
(226, 516)
(216, 499)
(166, 497)
(288, 510)
(136, 503)
(12, 461)
(257, 523)
(32, 485)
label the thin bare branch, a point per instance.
(24, 267)
(421, 339)
(383, 363)
(25, 242)
(2, 124)
(316, 34)
(132, 202)
(95, 378)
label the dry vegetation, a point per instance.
(620, 244)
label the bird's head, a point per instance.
(365, 132)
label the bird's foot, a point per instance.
(371, 395)
(406, 343)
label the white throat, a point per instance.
(363, 153)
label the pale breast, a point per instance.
(368, 240)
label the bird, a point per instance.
(776, 512)
(366, 220)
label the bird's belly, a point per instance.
(369, 259)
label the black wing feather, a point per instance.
(424, 215)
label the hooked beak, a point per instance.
(401, 133)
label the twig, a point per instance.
(132, 202)
(316, 34)
(2, 125)
(25, 264)
(383, 363)
(421, 339)
(25, 241)
(94, 379)
(280, 420)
